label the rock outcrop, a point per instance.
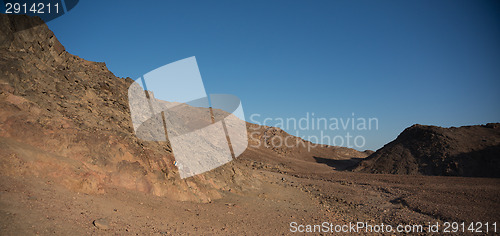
(472, 151)
(67, 118)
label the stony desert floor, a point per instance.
(312, 195)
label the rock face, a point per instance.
(67, 119)
(472, 151)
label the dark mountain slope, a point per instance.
(431, 150)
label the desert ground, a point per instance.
(310, 195)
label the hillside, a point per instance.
(472, 151)
(76, 113)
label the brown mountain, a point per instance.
(472, 151)
(62, 115)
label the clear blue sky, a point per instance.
(403, 62)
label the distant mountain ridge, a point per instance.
(472, 151)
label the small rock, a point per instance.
(101, 223)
